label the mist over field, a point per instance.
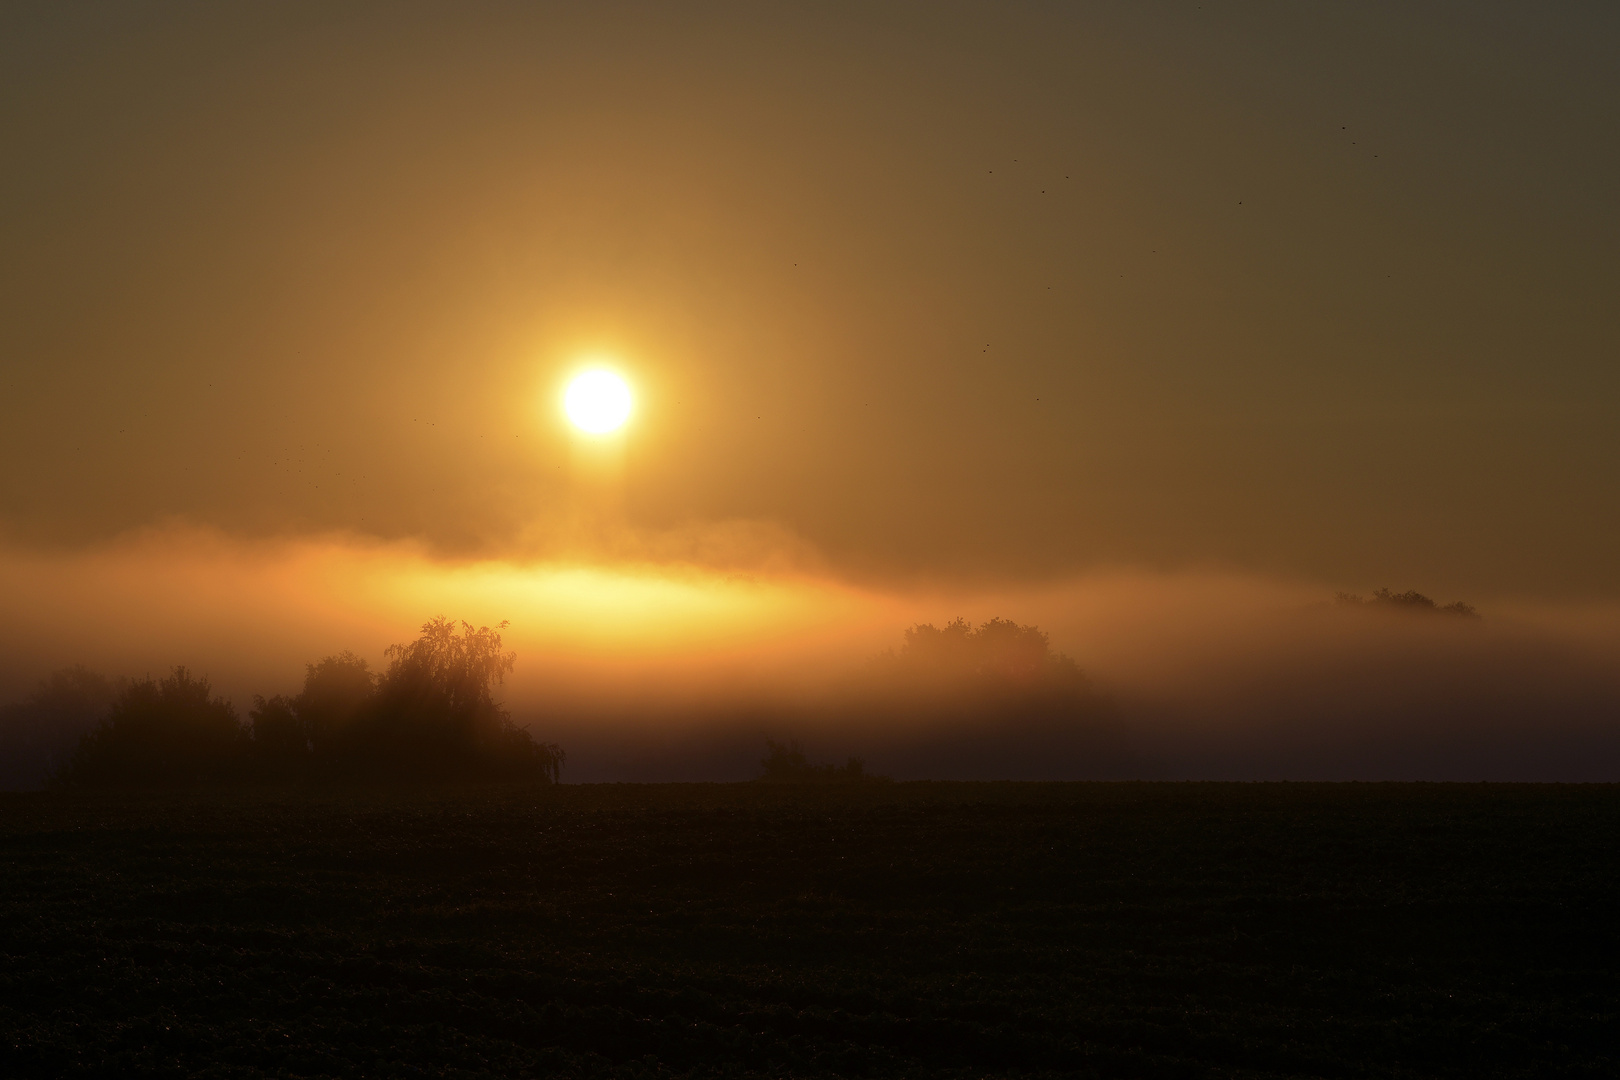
(665, 671)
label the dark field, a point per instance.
(884, 930)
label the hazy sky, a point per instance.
(933, 292)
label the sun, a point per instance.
(597, 402)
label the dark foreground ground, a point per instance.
(918, 930)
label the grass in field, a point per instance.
(749, 930)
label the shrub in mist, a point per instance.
(162, 733)
(785, 763)
(38, 733)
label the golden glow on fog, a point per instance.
(250, 615)
(597, 402)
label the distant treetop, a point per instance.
(1410, 600)
(996, 664)
(996, 651)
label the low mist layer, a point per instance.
(676, 671)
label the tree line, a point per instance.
(430, 715)
(1411, 600)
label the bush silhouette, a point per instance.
(172, 731)
(786, 764)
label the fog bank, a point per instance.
(647, 670)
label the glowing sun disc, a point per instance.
(597, 402)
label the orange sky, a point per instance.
(944, 294)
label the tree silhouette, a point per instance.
(969, 696)
(280, 736)
(997, 657)
(337, 690)
(172, 731)
(432, 713)
(38, 733)
(998, 650)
